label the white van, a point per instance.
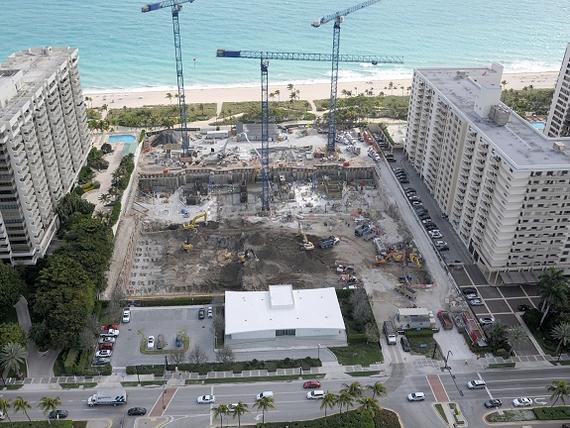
(476, 384)
(264, 394)
(315, 394)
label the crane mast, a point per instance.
(338, 18)
(176, 7)
(264, 57)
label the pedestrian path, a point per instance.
(437, 388)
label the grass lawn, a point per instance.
(422, 345)
(280, 110)
(165, 351)
(441, 412)
(358, 353)
(511, 416)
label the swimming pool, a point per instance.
(538, 125)
(121, 138)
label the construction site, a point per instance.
(200, 227)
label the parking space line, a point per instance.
(528, 297)
(469, 276)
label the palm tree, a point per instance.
(290, 86)
(220, 411)
(344, 399)
(47, 404)
(22, 405)
(328, 401)
(4, 406)
(560, 390)
(239, 409)
(554, 291)
(169, 97)
(354, 389)
(369, 404)
(12, 356)
(278, 94)
(377, 389)
(561, 333)
(504, 83)
(516, 335)
(264, 404)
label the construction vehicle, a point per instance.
(338, 18)
(390, 332)
(192, 224)
(176, 7)
(406, 291)
(445, 319)
(328, 242)
(264, 58)
(187, 246)
(416, 259)
(307, 245)
(248, 254)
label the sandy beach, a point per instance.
(315, 91)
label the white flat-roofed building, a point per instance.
(558, 123)
(504, 185)
(44, 141)
(283, 317)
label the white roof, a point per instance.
(412, 311)
(282, 308)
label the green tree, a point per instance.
(11, 333)
(515, 335)
(220, 411)
(344, 399)
(4, 407)
(497, 335)
(106, 148)
(239, 409)
(554, 291)
(560, 390)
(72, 204)
(47, 404)
(12, 356)
(169, 97)
(64, 299)
(561, 333)
(354, 389)
(369, 404)
(264, 404)
(328, 401)
(22, 405)
(377, 389)
(11, 288)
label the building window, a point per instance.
(284, 332)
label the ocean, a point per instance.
(122, 48)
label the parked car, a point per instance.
(210, 312)
(522, 402)
(107, 345)
(136, 411)
(420, 209)
(178, 341)
(472, 296)
(416, 396)
(468, 290)
(493, 403)
(427, 220)
(150, 343)
(416, 203)
(311, 384)
(201, 313)
(413, 198)
(405, 344)
(409, 189)
(424, 216)
(476, 384)
(268, 394)
(475, 302)
(435, 234)
(58, 414)
(403, 180)
(206, 399)
(103, 353)
(430, 227)
(126, 315)
(316, 394)
(441, 245)
(102, 361)
(486, 320)
(106, 339)
(160, 342)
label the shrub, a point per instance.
(175, 301)
(69, 361)
(351, 419)
(425, 332)
(552, 413)
(115, 213)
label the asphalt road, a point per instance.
(291, 403)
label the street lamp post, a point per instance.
(318, 351)
(446, 367)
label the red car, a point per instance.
(312, 384)
(105, 345)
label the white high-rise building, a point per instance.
(504, 185)
(44, 141)
(558, 123)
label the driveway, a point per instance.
(168, 321)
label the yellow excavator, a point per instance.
(192, 224)
(307, 245)
(187, 246)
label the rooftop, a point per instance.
(518, 142)
(282, 308)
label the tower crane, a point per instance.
(338, 18)
(264, 57)
(175, 8)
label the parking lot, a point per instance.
(168, 321)
(502, 302)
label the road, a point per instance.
(291, 403)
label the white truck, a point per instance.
(390, 332)
(108, 397)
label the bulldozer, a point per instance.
(246, 255)
(416, 259)
(192, 224)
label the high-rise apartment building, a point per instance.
(558, 123)
(504, 185)
(44, 141)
